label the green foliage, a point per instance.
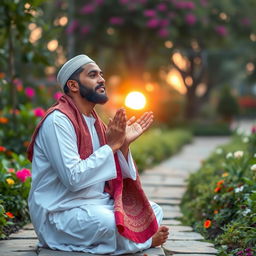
(228, 106)
(201, 128)
(14, 189)
(156, 145)
(223, 192)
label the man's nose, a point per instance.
(101, 79)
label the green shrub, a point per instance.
(14, 188)
(220, 201)
(156, 145)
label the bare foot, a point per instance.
(160, 236)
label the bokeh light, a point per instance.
(135, 100)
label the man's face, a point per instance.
(92, 84)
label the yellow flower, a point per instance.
(225, 174)
(10, 181)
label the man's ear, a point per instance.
(73, 85)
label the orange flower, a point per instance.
(207, 223)
(230, 189)
(26, 143)
(3, 120)
(216, 212)
(2, 149)
(217, 189)
(2, 75)
(220, 182)
(225, 174)
(12, 170)
(9, 214)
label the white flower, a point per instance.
(254, 155)
(229, 155)
(239, 189)
(253, 167)
(245, 140)
(246, 211)
(238, 154)
(219, 151)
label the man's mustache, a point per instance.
(99, 86)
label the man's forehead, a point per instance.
(91, 67)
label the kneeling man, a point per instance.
(86, 194)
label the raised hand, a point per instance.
(135, 127)
(115, 133)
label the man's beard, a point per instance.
(91, 94)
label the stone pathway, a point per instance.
(164, 184)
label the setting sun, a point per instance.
(135, 100)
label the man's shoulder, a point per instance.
(56, 117)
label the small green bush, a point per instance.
(220, 201)
(156, 145)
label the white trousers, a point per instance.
(90, 229)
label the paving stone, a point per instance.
(193, 254)
(172, 215)
(165, 201)
(158, 251)
(28, 227)
(24, 234)
(174, 235)
(170, 192)
(158, 180)
(178, 228)
(170, 222)
(189, 247)
(18, 245)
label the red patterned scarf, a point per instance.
(134, 216)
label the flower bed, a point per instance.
(220, 201)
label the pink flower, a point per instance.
(87, 9)
(30, 92)
(204, 2)
(99, 2)
(245, 22)
(161, 7)
(190, 5)
(153, 23)
(221, 30)
(39, 112)
(23, 174)
(57, 95)
(116, 20)
(180, 5)
(72, 27)
(85, 29)
(253, 130)
(163, 32)
(164, 23)
(149, 13)
(190, 19)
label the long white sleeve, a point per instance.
(128, 168)
(59, 138)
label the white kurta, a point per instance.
(68, 206)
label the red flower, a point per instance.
(207, 223)
(220, 182)
(9, 214)
(217, 189)
(2, 149)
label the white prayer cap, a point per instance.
(70, 67)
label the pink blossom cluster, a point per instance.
(30, 92)
(57, 95)
(72, 27)
(184, 5)
(221, 30)
(39, 112)
(190, 19)
(23, 174)
(116, 20)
